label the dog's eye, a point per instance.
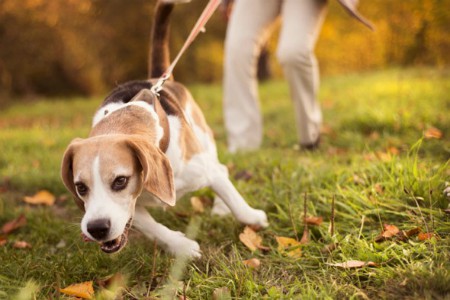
(119, 183)
(82, 189)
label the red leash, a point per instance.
(198, 27)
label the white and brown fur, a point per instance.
(143, 145)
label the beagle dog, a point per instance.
(146, 149)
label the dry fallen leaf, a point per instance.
(41, 197)
(21, 245)
(251, 239)
(289, 246)
(313, 220)
(3, 240)
(413, 232)
(405, 235)
(423, 236)
(197, 204)
(352, 264)
(14, 224)
(252, 263)
(433, 133)
(388, 232)
(84, 290)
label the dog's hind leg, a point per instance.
(173, 241)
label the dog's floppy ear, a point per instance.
(157, 172)
(67, 170)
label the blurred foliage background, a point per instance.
(84, 47)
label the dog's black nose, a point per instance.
(99, 229)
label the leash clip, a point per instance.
(158, 86)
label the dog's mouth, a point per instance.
(118, 243)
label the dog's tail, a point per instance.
(159, 56)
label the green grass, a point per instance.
(365, 116)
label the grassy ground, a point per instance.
(374, 161)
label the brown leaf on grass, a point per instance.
(413, 232)
(314, 220)
(14, 224)
(353, 264)
(424, 236)
(433, 133)
(197, 205)
(289, 246)
(252, 263)
(21, 245)
(389, 231)
(405, 235)
(41, 197)
(84, 290)
(3, 240)
(251, 239)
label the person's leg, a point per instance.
(248, 28)
(302, 21)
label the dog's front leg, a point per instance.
(173, 241)
(225, 189)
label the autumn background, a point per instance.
(364, 217)
(85, 47)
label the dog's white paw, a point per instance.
(180, 245)
(256, 218)
(220, 208)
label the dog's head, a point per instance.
(106, 174)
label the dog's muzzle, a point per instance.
(114, 245)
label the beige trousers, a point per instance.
(248, 29)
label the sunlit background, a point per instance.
(84, 47)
